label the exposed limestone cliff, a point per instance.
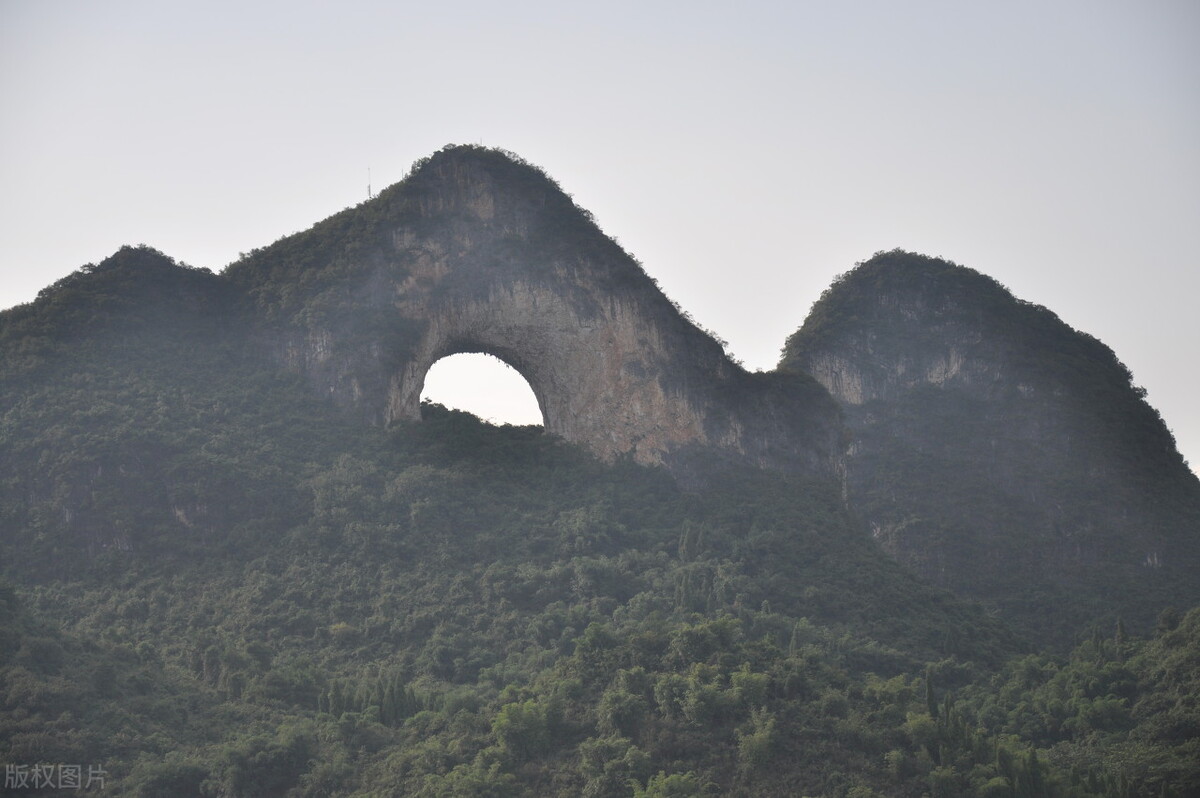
(983, 442)
(478, 252)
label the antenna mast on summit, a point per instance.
(369, 194)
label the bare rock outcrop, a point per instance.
(477, 251)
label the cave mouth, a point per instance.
(484, 386)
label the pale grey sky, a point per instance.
(745, 153)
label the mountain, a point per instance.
(1000, 453)
(478, 251)
(240, 559)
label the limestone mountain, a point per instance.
(986, 445)
(238, 556)
(478, 251)
(997, 451)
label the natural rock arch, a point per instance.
(595, 377)
(477, 251)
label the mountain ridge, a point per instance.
(932, 382)
(478, 250)
(959, 394)
(233, 574)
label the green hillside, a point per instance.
(999, 452)
(218, 583)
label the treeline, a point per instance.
(218, 586)
(644, 704)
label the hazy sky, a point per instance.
(746, 153)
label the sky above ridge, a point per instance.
(745, 153)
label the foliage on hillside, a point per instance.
(224, 588)
(1030, 340)
(129, 293)
(1033, 453)
(312, 277)
(514, 634)
(216, 584)
(149, 427)
(342, 274)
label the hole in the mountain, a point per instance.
(484, 386)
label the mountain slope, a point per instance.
(478, 251)
(1000, 453)
(416, 609)
(222, 580)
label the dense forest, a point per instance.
(217, 583)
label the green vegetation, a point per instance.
(913, 304)
(325, 274)
(1003, 454)
(217, 584)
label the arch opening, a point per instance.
(485, 386)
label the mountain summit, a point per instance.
(999, 452)
(239, 557)
(478, 251)
(986, 445)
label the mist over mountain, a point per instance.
(945, 548)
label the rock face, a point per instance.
(983, 442)
(999, 452)
(992, 448)
(477, 251)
